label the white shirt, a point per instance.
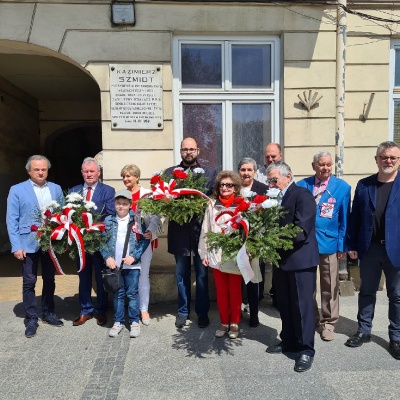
(119, 246)
(43, 194)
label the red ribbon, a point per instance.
(74, 235)
(163, 190)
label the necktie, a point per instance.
(320, 188)
(89, 193)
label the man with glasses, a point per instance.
(374, 238)
(332, 198)
(183, 241)
(273, 153)
(296, 275)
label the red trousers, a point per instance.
(228, 289)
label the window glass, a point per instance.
(203, 122)
(251, 131)
(397, 69)
(251, 66)
(201, 66)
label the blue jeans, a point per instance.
(373, 263)
(93, 261)
(183, 281)
(130, 289)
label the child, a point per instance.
(116, 228)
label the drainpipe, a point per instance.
(341, 35)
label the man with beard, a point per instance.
(373, 233)
(183, 241)
(255, 291)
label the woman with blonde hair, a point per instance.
(227, 277)
(130, 176)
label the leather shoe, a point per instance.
(203, 321)
(280, 348)
(82, 319)
(303, 363)
(358, 339)
(101, 319)
(254, 322)
(394, 349)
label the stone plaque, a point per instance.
(136, 96)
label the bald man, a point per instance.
(273, 153)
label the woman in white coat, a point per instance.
(227, 277)
(130, 176)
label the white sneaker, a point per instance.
(117, 328)
(135, 329)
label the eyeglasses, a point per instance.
(228, 185)
(272, 180)
(186, 150)
(391, 158)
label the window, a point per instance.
(226, 93)
(394, 115)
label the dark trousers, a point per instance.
(255, 293)
(295, 293)
(373, 263)
(29, 277)
(93, 261)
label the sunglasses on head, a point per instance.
(228, 185)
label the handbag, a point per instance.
(112, 277)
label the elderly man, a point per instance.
(103, 196)
(183, 243)
(373, 233)
(247, 168)
(296, 275)
(273, 153)
(332, 198)
(25, 202)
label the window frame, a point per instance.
(225, 95)
(394, 92)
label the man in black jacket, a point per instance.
(183, 241)
(255, 291)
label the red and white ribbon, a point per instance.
(74, 234)
(163, 190)
(87, 219)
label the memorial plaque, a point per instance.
(136, 96)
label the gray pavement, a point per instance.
(190, 363)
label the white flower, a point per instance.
(273, 192)
(53, 204)
(179, 169)
(251, 194)
(269, 203)
(198, 170)
(71, 205)
(73, 197)
(156, 173)
(89, 205)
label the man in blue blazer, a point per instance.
(25, 203)
(374, 238)
(332, 198)
(295, 277)
(103, 196)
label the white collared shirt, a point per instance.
(42, 193)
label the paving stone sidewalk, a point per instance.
(166, 363)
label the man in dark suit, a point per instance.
(374, 238)
(295, 278)
(255, 291)
(183, 243)
(103, 196)
(25, 204)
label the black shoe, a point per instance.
(280, 348)
(394, 349)
(358, 339)
(254, 322)
(303, 363)
(52, 319)
(180, 321)
(203, 322)
(31, 328)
